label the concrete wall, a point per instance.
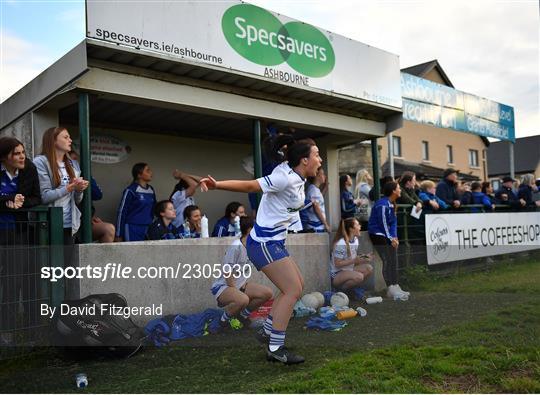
(183, 295)
(21, 129)
(42, 119)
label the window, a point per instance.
(449, 154)
(396, 146)
(425, 150)
(473, 158)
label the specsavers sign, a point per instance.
(453, 237)
(243, 38)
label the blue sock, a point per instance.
(245, 313)
(225, 317)
(268, 325)
(277, 339)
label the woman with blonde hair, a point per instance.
(348, 269)
(364, 183)
(60, 182)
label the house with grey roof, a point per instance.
(526, 158)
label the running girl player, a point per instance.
(283, 197)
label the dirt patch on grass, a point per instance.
(467, 383)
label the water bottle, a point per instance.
(349, 313)
(373, 300)
(237, 231)
(81, 380)
(187, 231)
(361, 312)
(204, 227)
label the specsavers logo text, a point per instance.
(258, 36)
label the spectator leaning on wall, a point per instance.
(446, 189)
(505, 194)
(478, 197)
(536, 193)
(527, 189)
(429, 198)
(407, 182)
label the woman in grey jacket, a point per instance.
(60, 182)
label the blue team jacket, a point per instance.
(223, 228)
(135, 207)
(426, 197)
(348, 208)
(481, 198)
(383, 221)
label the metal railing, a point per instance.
(29, 240)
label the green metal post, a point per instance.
(84, 133)
(375, 161)
(56, 258)
(406, 224)
(43, 249)
(257, 151)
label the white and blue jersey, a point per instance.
(340, 252)
(310, 220)
(135, 212)
(283, 198)
(193, 234)
(234, 261)
(180, 201)
(223, 228)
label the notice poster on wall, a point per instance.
(106, 149)
(453, 237)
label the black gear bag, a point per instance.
(90, 325)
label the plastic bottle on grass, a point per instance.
(373, 300)
(81, 380)
(343, 315)
(361, 311)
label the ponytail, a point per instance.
(284, 147)
(342, 233)
(273, 147)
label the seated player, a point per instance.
(225, 226)
(233, 290)
(162, 228)
(192, 218)
(348, 270)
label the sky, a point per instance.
(487, 48)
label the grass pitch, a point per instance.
(468, 333)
